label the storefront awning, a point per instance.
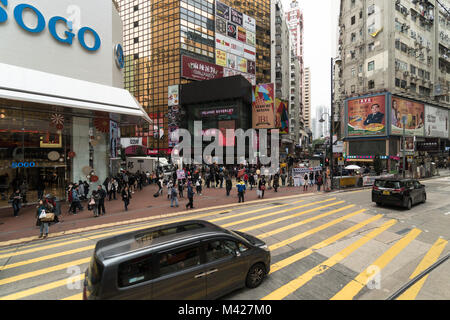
(28, 85)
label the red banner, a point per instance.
(200, 70)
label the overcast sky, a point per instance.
(320, 24)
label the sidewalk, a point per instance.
(142, 205)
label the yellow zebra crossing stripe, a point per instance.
(297, 283)
(356, 285)
(296, 257)
(78, 296)
(277, 212)
(431, 256)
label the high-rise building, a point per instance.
(157, 33)
(307, 97)
(394, 74)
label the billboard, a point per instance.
(263, 106)
(436, 122)
(174, 95)
(412, 112)
(282, 116)
(235, 42)
(200, 70)
(367, 116)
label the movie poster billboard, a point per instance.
(412, 112)
(114, 139)
(367, 116)
(282, 116)
(436, 122)
(263, 106)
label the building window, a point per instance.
(353, 20)
(413, 69)
(371, 66)
(136, 8)
(371, 84)
(136, 24)
(136, 40)
(353, 88)
(371, 10)
(371, 46)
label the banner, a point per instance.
(114, 139)
(200, 70)
(436, 122)
(242, 34)
(221, 26)
(221, 58)
(181, 175)
(249, 23)
(174, 95)
(222, 10)
(282, 116)
(263, 106)
(367, 116)
(412, 112)
(300, 172)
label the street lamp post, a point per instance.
(322, 120)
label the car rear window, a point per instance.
(387, 184)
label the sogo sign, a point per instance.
(18, 15)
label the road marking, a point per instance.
(431, 256)
(253, 211)
(276, 212)
(39, 272)
(290, 226)
(78, 296)
(297, 283)
(42, 288)
(448, 213)
(284, 263)
(356, 285)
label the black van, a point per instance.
(181, 261)
(399, 192)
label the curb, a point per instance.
(127, 222)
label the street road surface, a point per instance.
(323, 246)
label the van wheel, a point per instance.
(409, 205)
(255, 275)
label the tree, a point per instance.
(378, 165)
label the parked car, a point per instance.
(185, 260)
(399, 192)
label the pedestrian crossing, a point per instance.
(322, 230)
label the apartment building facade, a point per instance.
(394, 57)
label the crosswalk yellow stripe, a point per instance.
(78, 296)
(106, 234)
(42, 288)
(39, 272)
(297, 283)
(253, 211)
(48, 257)
(356, 285)
(296, 257)
(431, 256)
(277, 212)
(290, 226)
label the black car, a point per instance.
(399, 192)
(180, 261)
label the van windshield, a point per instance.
(387, 184)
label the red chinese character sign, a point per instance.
(200, 70)
(263, 106)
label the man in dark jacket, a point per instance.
(101, 202)
(375, 117)
(190, 194)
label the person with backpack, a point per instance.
(241, 190)
(126, 196)
(319, 181)
(305, 182)
(173, 196)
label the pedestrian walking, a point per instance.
(112, 189)
(276, 182)
(305, 182)
(180, 188)
(15, 200)
(93, 203)
(311, 179)
(126, 196)
(241, 190)
(228, 185)
(101, 202)
(160, 186)
(76, 203)
(261, 187)
(198, 186)
(283, 179)
(173, 196)
(190, 194)
(44, 217)
(319, 181)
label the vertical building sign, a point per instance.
(173, 115)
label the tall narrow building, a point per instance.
(307, 97)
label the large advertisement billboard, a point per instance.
(367, 116)
(410, 112)
(235, 42)
(263, 106)
(200, 70)
(436, 122)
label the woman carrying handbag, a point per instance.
(44, 217)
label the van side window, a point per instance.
(217, 250)
(179, 259)
(135, 271)
(416, 184)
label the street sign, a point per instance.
(410, 159)
(341, 161)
